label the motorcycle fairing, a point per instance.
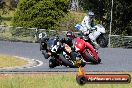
(79, 44)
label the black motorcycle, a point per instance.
(59, 54)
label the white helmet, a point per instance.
(90, 13)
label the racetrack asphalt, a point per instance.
(113, 59)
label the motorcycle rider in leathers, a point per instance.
(69, 41)
(87, 26)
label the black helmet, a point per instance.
(70, 34)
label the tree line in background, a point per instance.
(6, 6)
(52, 14)
(40, 13)
(122, 11)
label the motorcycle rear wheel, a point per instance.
(102, 41)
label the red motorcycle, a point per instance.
(86, 50)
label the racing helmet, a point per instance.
(70, 34)
(90, 14)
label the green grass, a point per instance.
(11, 61)
(49, 80)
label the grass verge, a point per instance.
(66, 80)
(11, 61)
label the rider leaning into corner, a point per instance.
(69, 41)
(87, 25)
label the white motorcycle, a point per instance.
(97, 34)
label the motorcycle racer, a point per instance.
(87, 27)
(74, 46)
(87, 22)
(69, 41)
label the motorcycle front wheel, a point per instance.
(90, 58)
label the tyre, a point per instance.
(90, 58)
(66, 62)
(102, 41)
(81, 80)
(52, 63)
